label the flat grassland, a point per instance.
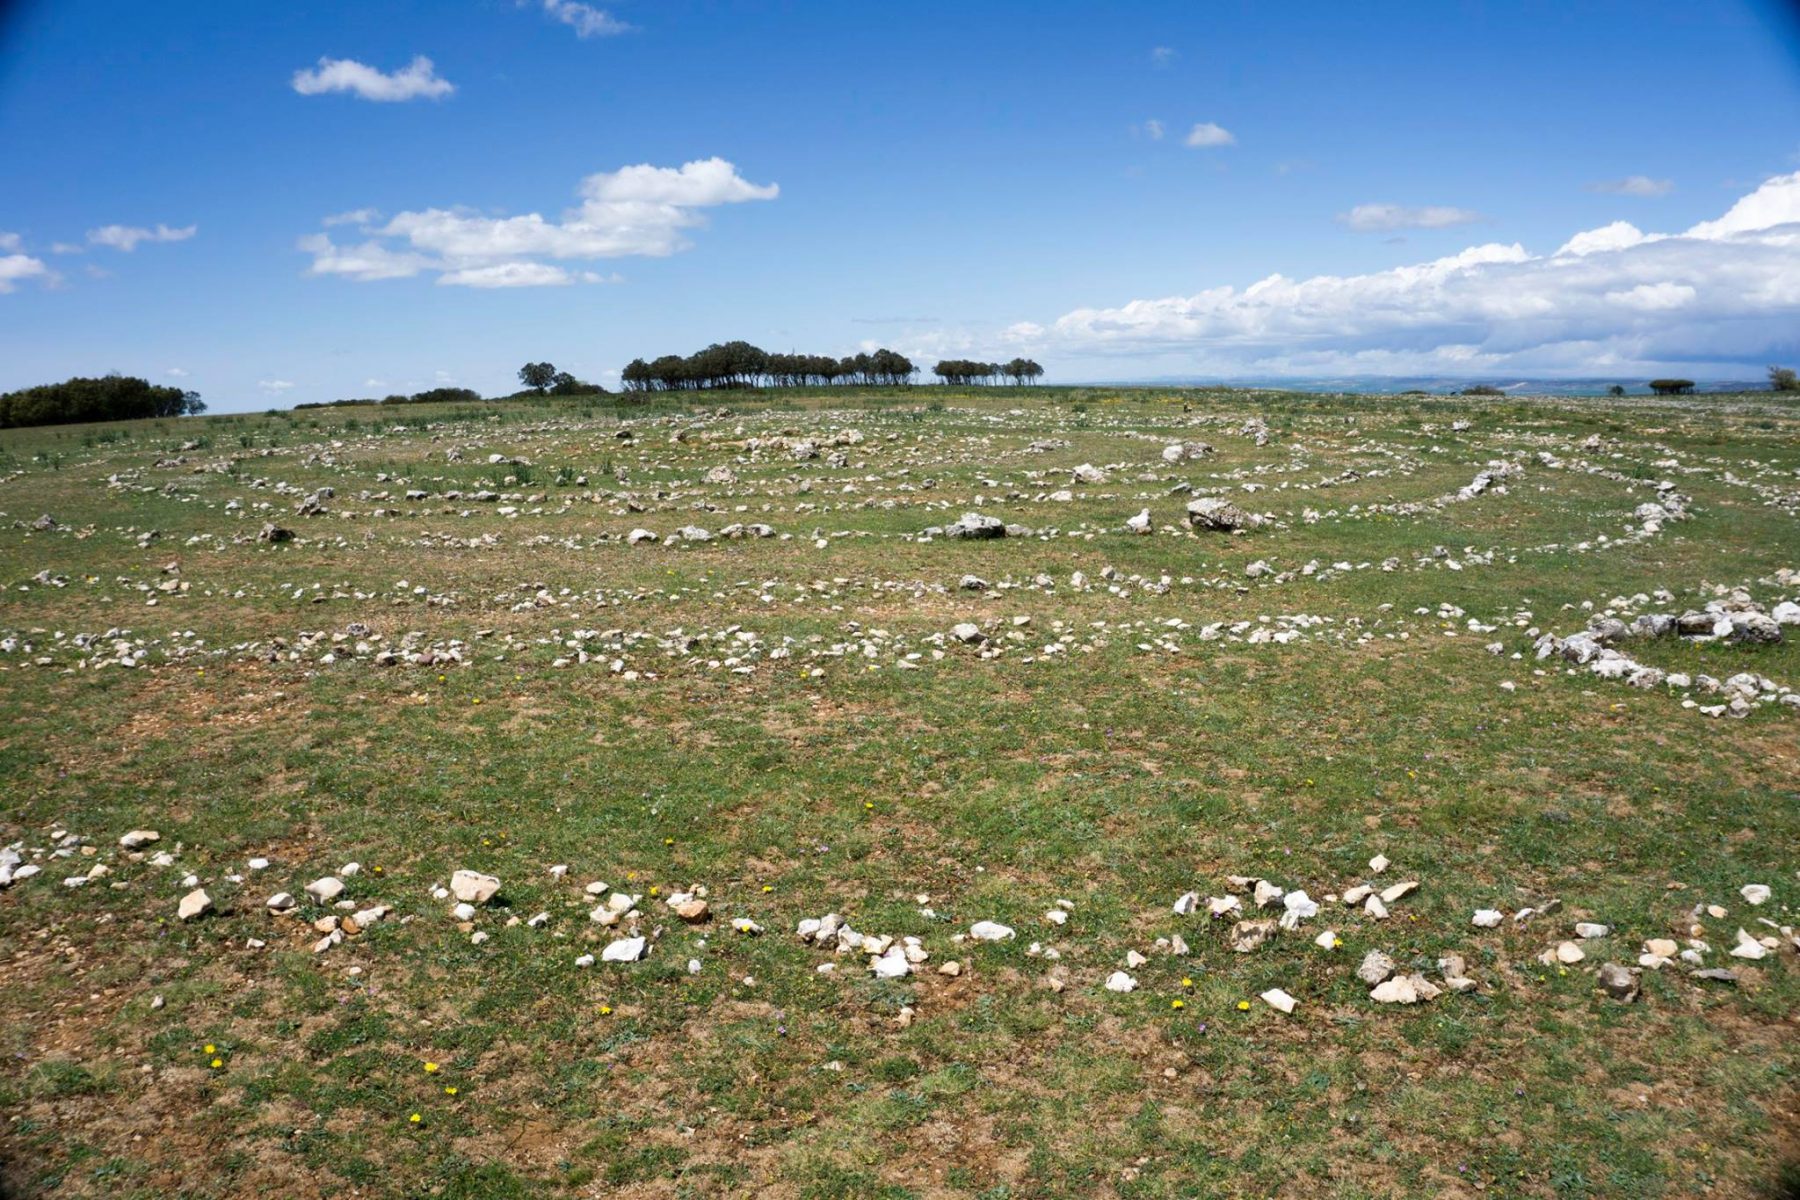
(458, 661)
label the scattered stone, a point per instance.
(1397, 990)
(1375, 967)
(1618, 982)
(1211, 512)
(472, 887)
(1755, 893)
(629, 949)
(1278, 1000)
(195, 903)
(1487, 918)
(1119, 981)
(990, 931)
(326, 889)
(137, 839)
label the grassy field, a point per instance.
(461, 663)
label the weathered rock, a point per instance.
(1119, 981)
(990, 931)
(1140, 524)
(1755, 893)
(1618, 982)
(968, 633)
(629, 949)
(196, 903)
(976, 525)
(1487, 918)
(1397, 990)
(325, 889)
(137, 839)
(472, 887)
(1248, 935)
(1375, 967)
(1211, 512)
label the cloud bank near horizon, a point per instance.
(1611, 298)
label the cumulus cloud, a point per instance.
(639, 210)
(1385, 218)
(10, 242)
(1723, 290)
(127, 237)
(275, 386)
(415, 80)
(15, 268)
(1633, 185)
(1207, 135)
(586, 20)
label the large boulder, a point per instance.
(1212, 512)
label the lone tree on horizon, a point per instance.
(539, 377)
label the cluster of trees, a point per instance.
(544, 379)
(965, 371)
(739, 364)
(109, 398)
(1783, 379)
(1671, 387)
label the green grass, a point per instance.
(831, 779)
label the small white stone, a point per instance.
(990, 931)
(1119, 981)
(1487, 918)
(1278, 1000)
(1755, 893)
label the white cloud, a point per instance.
(176, 373)
(275, 386)
(10, 242)
(17, 267)
(356, 216)
(1383, 218)
(370, 260)
(636, 211)
(1723, 291)
(1207, 135)
(1153, 129)
(586, 20)
(374, 383)
(1633, 185)
(127, 237)
(507, 274)
(1162, 56)
(418, 78)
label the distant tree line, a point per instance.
(108, 398)
(965, 371)
(436, 395)
(740, 365)
(1671, 387)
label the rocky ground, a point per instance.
(922, 793)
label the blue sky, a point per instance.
(949, 179)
